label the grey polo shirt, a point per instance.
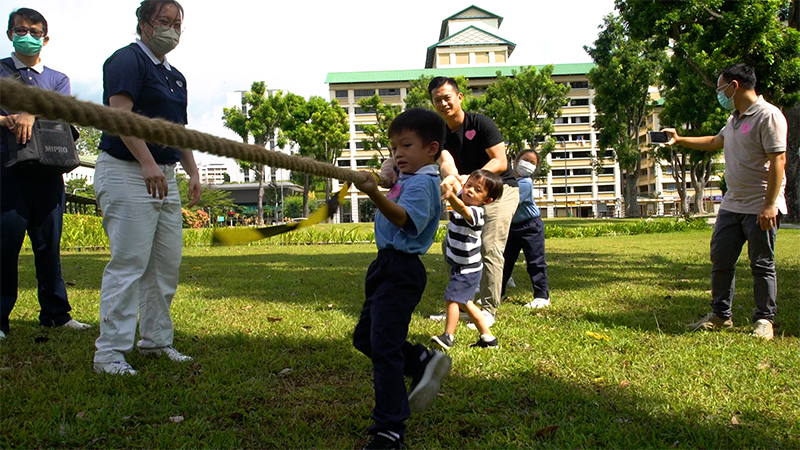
(748, 139)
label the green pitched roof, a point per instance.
(468, 72)
(484, 15)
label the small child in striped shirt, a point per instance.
(463, 252)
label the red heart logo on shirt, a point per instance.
(470, 134)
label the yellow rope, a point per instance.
(55, 106)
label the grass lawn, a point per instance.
(270, 329)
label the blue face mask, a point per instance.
(725, 101)
(28, 45)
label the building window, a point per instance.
(388, 92)
(559, 189)
(482, 58)
(558, 172)
(582, 189)
(579, 102)
(581, 154)
(358, 93)
(605, 188)
(343, 163)
(609, 154)
(561, 120)
(346, 110)
(605, 171)
(579, 84)
(462, 58)
(579, 119)
(359, 145)
(360, 111)
(643, 189)
(558, 155)
(362, 163)
(581, 172)
(500, 57)
(341, 94)
(666, 170)
(581, 137)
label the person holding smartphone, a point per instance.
(754, 142)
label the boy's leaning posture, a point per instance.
(405, 225)
(463, 252)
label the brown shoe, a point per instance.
(763, 329)
(711, 321)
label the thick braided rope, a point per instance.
(55, 106)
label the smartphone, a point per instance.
(657, 137)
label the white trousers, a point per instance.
(146, 240)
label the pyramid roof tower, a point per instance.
(468, 38)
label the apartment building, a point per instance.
(469, 45)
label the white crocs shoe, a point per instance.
(169, 351)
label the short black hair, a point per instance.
(426, 123)
(491, 181)
(148, 7)
(742, 73)
(31, 15)
(438, 82)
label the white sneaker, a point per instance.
(75, 325)
(538, 303)
(2, 335)
(170, 351)
(489, 320)
(511, 283)
(114, 368)
(462, 316)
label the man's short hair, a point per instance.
(491, 181)
(438, 82)
(30, 15)
(424, 122)
(742, 73)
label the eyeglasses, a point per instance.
(722, 88)
(177, 26)
(22, 31)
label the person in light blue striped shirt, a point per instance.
(527, 233)
(463, 252)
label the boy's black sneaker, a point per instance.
(384, 440)
(485, 344)
(428, 380)
(445, 341)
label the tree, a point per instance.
(79, 186)
(320, 129)
(708, 35)
(417, 95)
(264, 111)
(524, 107)
(693, 111)
(625, 70)
(89, 141)
(378, 132)
(216, 202)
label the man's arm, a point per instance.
(768, 216)
(396, 214)
(499, 163)
(703, 143)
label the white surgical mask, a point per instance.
(525, 169)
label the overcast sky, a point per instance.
(293, 45)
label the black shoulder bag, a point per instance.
(52, 143)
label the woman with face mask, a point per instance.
(138, 194)
(527, 233)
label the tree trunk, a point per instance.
(260, 217)
(630, 193)
(679, 175)
(793, 164)
(306, 183)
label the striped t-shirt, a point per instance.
(464, 240)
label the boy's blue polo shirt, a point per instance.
(419, 195)
(158, 91)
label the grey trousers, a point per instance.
(730, 233)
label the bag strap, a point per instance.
(14, 73)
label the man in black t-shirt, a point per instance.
(474, 142)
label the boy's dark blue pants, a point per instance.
(32, 201)
(394, 286)
(527, 236)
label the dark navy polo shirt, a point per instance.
(49, 79)
(156, 91)
(468, 145)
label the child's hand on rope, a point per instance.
(368, 183)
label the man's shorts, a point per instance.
(462, 285)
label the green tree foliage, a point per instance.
(320, 129)
(625, 70)
(524, 107)
(378, 132)
(79, 186)
(89, 140)
(262, 115)
(707, 35)
(418, 96)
